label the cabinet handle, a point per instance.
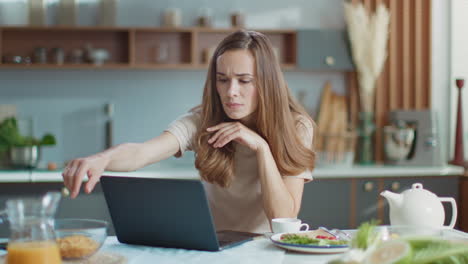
(395, 186)
(329, 60)
(368, 186)
(65, 192)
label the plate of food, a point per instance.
(319, 241)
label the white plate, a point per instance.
(329, 249)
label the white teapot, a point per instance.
(419, 207)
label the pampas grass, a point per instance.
(368, 34)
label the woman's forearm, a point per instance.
(122, 157)
(277, 200)
(133, 156)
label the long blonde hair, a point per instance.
(276, 114)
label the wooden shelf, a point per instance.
(64, 66)
(131, 47)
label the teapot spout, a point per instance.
(394, 199)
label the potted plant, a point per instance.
(24, 151)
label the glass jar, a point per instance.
(205, 17)
(40, 55)
(237, 19)
(58, 56)
(172, 17)
(32, 237)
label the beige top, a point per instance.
(238, 207)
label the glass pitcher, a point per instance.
(32, 237)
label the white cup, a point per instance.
(287, 225)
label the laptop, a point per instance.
(165, 213)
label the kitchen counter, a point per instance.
(18, 176)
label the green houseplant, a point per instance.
(24, 151)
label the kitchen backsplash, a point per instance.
(259, 13)
(71, 104)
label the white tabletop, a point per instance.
(257, 251)
(260, 251)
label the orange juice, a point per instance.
(33, 253)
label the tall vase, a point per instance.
(365, 147)
(458, 157)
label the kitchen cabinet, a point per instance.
(129, 48)
(441, 186)
(164, 48)
(346, 203)
(366, 201)
(326, 203)
(463, 205)
(91, 206)
(320, 49)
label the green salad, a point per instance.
(304, 240)
(368, 248)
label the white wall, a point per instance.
(458, 66)
(441, 92)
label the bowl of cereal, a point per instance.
(80, 238)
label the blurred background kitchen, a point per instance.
(71, 103)
(139, 64)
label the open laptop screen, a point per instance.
(161, 212)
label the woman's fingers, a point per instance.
(68, 173)
(227, 137)
(78, 179)
(65, 177)
(220, 132)
(93, 178)
(218, 126)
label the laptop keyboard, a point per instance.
(227, 237)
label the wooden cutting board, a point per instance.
(98, 258)
(332, 119)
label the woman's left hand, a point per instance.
(235, 131)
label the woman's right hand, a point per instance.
(74, 172)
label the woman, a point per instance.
(249, 136)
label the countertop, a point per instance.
(378, 171)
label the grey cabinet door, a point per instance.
(326, 203)
(91, 206)
(367, 194)
(444, 186)
(319, 49)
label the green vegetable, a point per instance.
(439, 251)
(391, 252)
(10, 136)
(303, 240)
(48, 139)
(365, 235)
(368, 248)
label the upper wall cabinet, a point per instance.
(157, 48)
(323, 50)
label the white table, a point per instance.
(257, 251)
(253, 252)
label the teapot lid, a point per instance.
(417, 188)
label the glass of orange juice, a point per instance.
(33, 252)
(32, 236)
